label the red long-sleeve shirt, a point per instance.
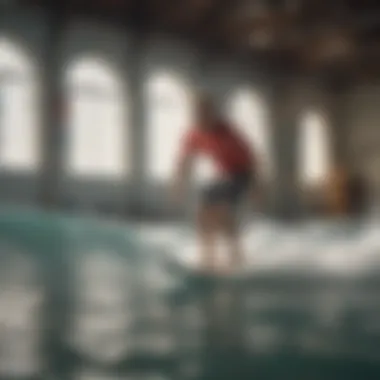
(224, 145)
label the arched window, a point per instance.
(169, 114)
(248, 112)
(314, 150)
(96, 136)
(19, 110)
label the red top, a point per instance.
(224, 145)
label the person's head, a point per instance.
(205, 111)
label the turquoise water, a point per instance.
(107, 305)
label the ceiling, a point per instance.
(313, 34)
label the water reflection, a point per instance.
(22, 301)
(102, 313)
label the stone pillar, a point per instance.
(137, 120)
(335, 108)
(285, 107)
(53, 108)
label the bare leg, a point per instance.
(230, 231)
(236, 254)
(207, 238)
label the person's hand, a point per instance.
(256, 197)
(177, 194)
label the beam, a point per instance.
(214, 22)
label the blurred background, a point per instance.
(94, 98)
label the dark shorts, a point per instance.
(230, 190)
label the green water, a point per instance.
(263, 327)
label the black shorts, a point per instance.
(230, 190)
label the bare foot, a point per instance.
(205, 268)
(236, 264)
(212, 268)
(225, 269)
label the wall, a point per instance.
(136, 59)
(363, 115)
(138, 195)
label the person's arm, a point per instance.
(256, 188)
(181, 177)
(253, 158)
(184, 166)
